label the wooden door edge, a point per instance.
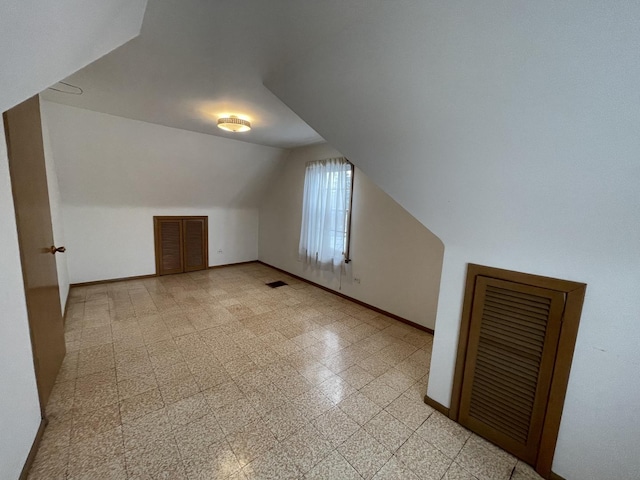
(560, 379)
(463, 339)
(34, 450)
(156, 243)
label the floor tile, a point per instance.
(485, 460)
(359, 408)
(335, 426)
(155, 460)
(265, 398)
(336, 389)
(307, 447)
(312, 403)
(380, 393)
(235, 416)
(364, 453)
(154, 427)
(113, 470)
(61, 398)
(50, 464)
(251, 441)
(284, 420)
(424, 459)
(447, 435)
(456, 472)
(198, 434)
(275, 464)
(394, 470)
(410, 411)
(217, 460)
(388, 430)
(140, 405)
(136, 385)
(96, 451)
(222, 395)
(87, 425)
(333, 466)
(163, 381)
(524, 472)
(356, 376)
(188, 410)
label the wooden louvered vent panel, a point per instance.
(181, 244)
(194, 244)
(513, 339)
(171, 246)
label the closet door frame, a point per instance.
(574, 297)
(157, 220)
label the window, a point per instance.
(324, 237)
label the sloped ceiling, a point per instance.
(104, 160)
(197, 60)
(43, 42)
(509, 129)
(442, 103)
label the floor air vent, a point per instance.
(277, 284)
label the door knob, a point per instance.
(55, 250)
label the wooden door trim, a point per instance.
(24, 474)
(575, 292)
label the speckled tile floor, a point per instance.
(214, 375)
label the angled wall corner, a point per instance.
(509, 132)
(44, 42)
(396, 262)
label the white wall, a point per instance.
(115, 174)
(114, 242)
(19, 404)
(40, 43)
(510, 129)
(397, 260)
(56, 216)
(44, 42)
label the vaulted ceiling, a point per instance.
(510, 129)
(197, 60)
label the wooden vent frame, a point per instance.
(574, 297)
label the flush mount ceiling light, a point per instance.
(234, 124)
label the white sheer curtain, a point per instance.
(325, 210)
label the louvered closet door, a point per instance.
(170, 255)
(511, 352)
(195, 238)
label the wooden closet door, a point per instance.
(195, 244)
(169, 246)
(513, 339)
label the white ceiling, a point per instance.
(196, 60)
(41, 42)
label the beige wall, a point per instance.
(397, 260)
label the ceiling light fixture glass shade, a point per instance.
(234, 124)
